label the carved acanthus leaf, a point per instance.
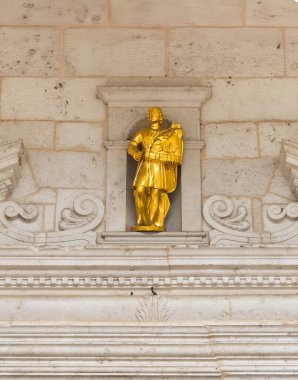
(153, 309)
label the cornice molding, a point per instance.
(113, 268)
(193, 350)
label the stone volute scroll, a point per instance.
(127, 109)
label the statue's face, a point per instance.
(155, 118)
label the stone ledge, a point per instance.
(138, 351)
(169, 238)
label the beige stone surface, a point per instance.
(231, 140)
(26, 184)
(52, 12)
(226, 52)
(257, 220)
(242, 177)
(272, 134)
(49, 218)
(176, 12)
(79, 136)
(291, 51)
(52, 99)
(44, 195)
(272, 12)
(35, 134)
(191, 195)
(142, 50)
(29, 51)
(252, 100)
(280, 186)
(68, 169)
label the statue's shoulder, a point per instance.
(139, 135)
(142, 132)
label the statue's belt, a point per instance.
(163, 157)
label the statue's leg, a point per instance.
(140, 204)
(154, 204)
(164, 205)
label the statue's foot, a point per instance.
(151, 228)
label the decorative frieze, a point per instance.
(65, 282)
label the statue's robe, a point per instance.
(159, 149)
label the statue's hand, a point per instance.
(138, 155)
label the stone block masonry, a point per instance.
(53, 55)
(191, 311)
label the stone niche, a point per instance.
(127, 112)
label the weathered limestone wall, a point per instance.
(53, 54)
(173, 305)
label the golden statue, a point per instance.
(158, 152)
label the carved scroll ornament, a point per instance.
(279, 213)
(76, 226)
(229, 222)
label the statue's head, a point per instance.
(155, 117)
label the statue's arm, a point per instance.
(133, 150)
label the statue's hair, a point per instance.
(152, 110)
